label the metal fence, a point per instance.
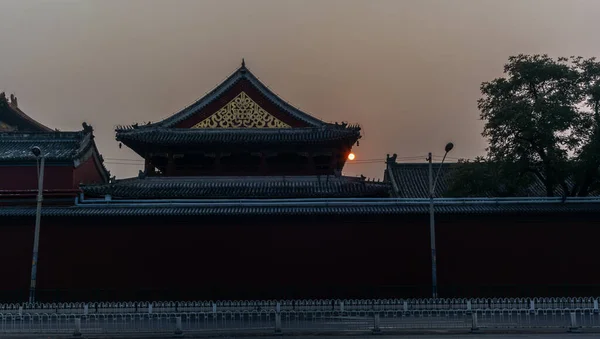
(321, 305)
(297, 321)
(301, 315)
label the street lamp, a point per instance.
(432, 182)
(40, 161)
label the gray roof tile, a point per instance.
(292, 208)
(57, 146)
(239, 187)
(245, 136)
(411, 180)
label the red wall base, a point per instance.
(264, 258)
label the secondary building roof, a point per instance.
(64, 147)
(250, 187)
(411, 180)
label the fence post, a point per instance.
(278, 307)
(573, 326)
(77, 332)
(85, 309)
(178, 327)
(376, 322)
(532, 306)
(595, 305)
(405, 306)
(214, 308)
(474, 322)
(277, 323)
(469, 306)
(341, 306)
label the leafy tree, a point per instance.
(587, 160)
(481, 177)
(542, 121)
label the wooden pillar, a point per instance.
(333, 161)
(312, 169)
(263, 163)
(148, 168)
(218, 163)
(170, 164)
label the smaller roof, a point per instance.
(249, 187)
(57, 146)
(69, 147)
(411, 180)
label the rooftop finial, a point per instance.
(243, 63)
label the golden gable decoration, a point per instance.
(241, 112)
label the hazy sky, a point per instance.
(407, 70)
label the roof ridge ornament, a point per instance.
(392, 159)
(87, 128)
(243, 63)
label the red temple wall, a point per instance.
(87, 173)
(25, 177)
(547, 256)
(259, 258)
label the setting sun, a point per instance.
(351, 156)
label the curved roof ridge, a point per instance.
(12, 107)
(240, 73)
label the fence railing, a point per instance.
(321, 305)
(298, 321)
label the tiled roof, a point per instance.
(239, 187)
(240, 74)
(57, 146)
(220, 136)
(12, 115)
(411, 180)
(330, 207)
(71, 147)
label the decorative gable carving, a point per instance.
(241, 112)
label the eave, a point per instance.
(142, 139)
(60, 148)
(315, 207)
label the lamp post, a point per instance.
(432, 183)
(40, 161)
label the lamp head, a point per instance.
(36, 151)
(449, 147)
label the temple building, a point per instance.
(242, 196)
(71, 158)
(242, 141)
